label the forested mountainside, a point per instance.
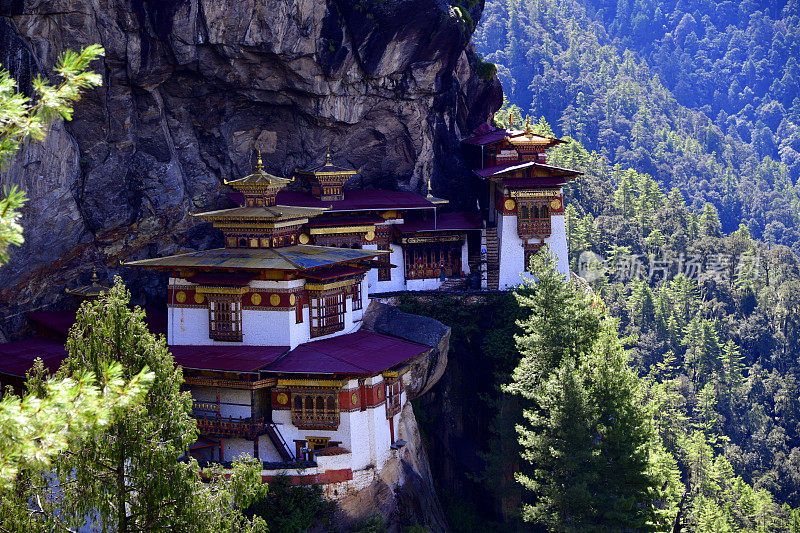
(702, 96)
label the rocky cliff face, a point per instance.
(193, 87)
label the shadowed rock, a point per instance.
(193, 87)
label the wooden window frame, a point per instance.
(355, 291)
(384, 272)
(326, 310)
(394, 391)
(533, 217)
(315, 409)
(225, 317)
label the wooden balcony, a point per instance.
(534, 227)
(327, 420)
(209, 422)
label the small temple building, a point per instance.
(268, 328)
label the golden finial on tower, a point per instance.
(528, 130)
(511, 121)
(259, 164)
(327, 159)
(95, 281)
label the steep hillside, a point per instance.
(193, 87)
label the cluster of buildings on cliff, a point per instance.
(268, 329)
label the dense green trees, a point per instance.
(648, 102)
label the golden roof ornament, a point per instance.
(93, 290)
(259, 164)
(511, 121)
(528, 130)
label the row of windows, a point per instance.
(326, 311)
(533, 210)
(315, 409)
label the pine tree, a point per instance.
(588, 435)
(130, 478)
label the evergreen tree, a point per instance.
(588, 435)
(130, 477)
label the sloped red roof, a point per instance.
(16, 357)
(499, 169)
(443, 222)
(61, 321)
(233, 358)
(357, 200)
(323, 221)
(362, 352)
(514, 183)
(332, 272)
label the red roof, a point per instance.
(499, 169)
(444, 222)
(16, 357)
(510, 167)
(486, 136)
(233, 358)
(344, 221)
(332, 272)
(362, 352)
(513, 183)
(61, 321)
(357, 200)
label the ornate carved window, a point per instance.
(355, 291)
(393, 391)
(384, 272)
(533, 218)
(315, 409)
(427, 260)
(225, 317)
(327, 310)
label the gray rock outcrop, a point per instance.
(193, 87)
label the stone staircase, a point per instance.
(492, 260)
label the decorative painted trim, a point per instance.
(432, 239)
(221, 290)
(229, 383)
(335, 230)
(327, 383)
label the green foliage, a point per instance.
(10, 228)
(289, 508)
(373, 524)
(41, 424)
(128, 477)
(22, 117)
(595, 459)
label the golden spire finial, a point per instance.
(528, 130)
(327, 159)
(95, 281)
(259, 164)
(510, 120)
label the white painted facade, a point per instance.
(365, 434)
(262, 327)
(399, 282)
(512, 251)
